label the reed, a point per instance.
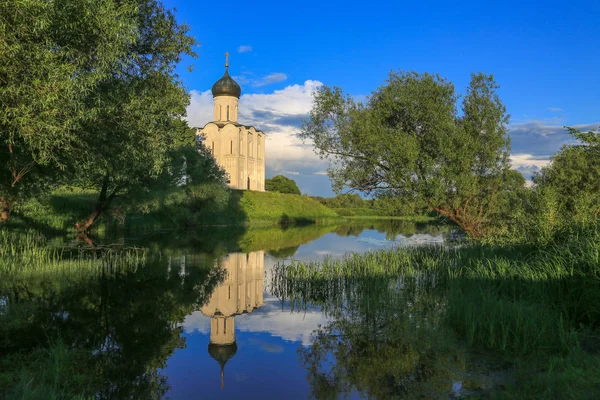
(504, 299)
(29, 254)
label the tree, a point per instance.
(281, 184)
(137, 112)
(408, 141)
(53, 54)
(574, 176)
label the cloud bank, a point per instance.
(533, 143)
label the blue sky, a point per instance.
(545, 55)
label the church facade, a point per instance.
(237, 148)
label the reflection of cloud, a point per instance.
(292, 326)
(279, 114)
(270, 318)
(196, 322)
(244, 49)
(266, 346)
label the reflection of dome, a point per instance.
(222, 353)
(226, 86)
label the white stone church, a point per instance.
(239, 149)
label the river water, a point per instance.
(204, 317)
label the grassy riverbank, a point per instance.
(175, 208)
(536, 307)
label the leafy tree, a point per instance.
(281, 184)
(53, 54)
(138, 111)
(574, 176)
(408, 141)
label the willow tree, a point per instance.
(410, 141)
(137, 112)
(52, 54)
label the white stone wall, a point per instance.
(240, 151)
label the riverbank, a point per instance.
(202, 205)
(193, 206)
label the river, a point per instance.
(205, 317)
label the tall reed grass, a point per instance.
(29, 254)
(505, 299)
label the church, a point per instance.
(237, 148)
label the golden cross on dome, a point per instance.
(226, 59)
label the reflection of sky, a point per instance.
(336, 246)
(266, 364)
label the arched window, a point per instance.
(220, 113)
(227, 113)
(213, 148)
(231, 147)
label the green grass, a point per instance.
(46, 374)
(201, 205)
(281, 208)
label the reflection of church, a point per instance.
(239, 149)
(241, 292)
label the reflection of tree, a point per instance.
(385, 338)
(285, 252)
(122, 323)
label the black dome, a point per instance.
(222, 352)
(226, 86)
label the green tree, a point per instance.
(574, 176)
(281, 184)
(408, 141)
(138, 111)
(53, 54)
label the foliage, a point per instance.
(53, 56)
(281, 184)
(110, 105)
(563, 200)
(408, 141)
(574, 175)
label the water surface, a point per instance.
(204, 318)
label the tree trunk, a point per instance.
(101, 205)
(5, 208)
(471, 227)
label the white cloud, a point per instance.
(269, 79)
(529, 160)
(280, 115)
(528, 164)
(555, 109)
(244, 49)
